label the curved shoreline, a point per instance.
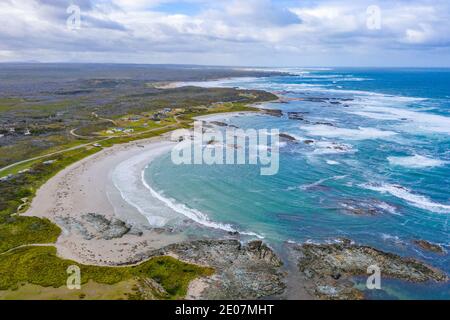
(85, 187)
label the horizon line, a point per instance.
(221, 66)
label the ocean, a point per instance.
(375, 168)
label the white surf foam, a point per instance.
(416, 161)
(387, 207)
(413, 120)
(413, 199)
(319, 182)
(125, 178)
(330, 147)
(361, 133)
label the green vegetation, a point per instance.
(41, 266)
(16, 231)
(7, 104)
(24, 185)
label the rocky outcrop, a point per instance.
(219, 124)
(286, 137)
(242, 271)
(368, 207)
(272, 112)
(428, 246)
(296, 115)
(324, 123)
(97, 226)
(330, 268)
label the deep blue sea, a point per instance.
(377, 171)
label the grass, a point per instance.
(7, 104)
(17, 231)
(40, 266)
(89, 291)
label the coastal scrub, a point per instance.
(40, 266)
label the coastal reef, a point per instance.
(330, 267)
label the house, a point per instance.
(134, 118)
(12, 130)
(158, 116)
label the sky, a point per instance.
(278, 33)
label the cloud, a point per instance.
(247, 32)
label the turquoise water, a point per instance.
(392, 127)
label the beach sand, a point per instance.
(85, 188)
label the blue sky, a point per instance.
(229, 32)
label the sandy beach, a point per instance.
(98, 226)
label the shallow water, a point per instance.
(393, 129)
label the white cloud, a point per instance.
(238, 32)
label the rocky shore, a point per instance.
(243, 271)
(322, 271)
(330, 267)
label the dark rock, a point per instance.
(316, 99)
(364, 207)
(286, 137)
(296, 115)
(97, 226)
(107, 229)
(273, 112)
(220, 124)
(426, 245)
(324, 123)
